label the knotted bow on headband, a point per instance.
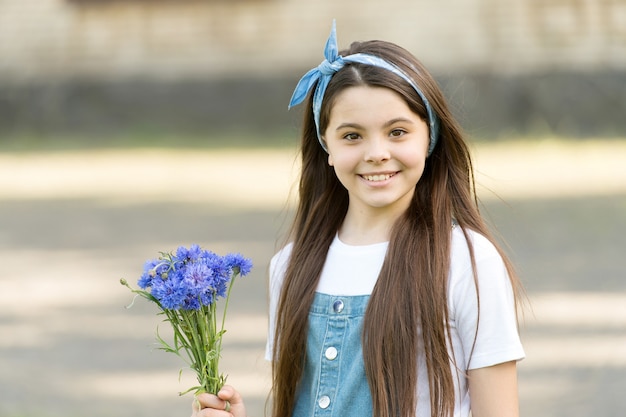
(333, 63)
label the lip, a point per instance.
(378, 177)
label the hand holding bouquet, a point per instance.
(186, 286)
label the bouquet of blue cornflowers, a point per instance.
(186, 286)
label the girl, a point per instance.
(393, 299)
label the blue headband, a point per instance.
(333, 63)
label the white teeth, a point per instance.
(377, 177)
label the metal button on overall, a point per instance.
(338, 306)
(324, 401)
(331, 353)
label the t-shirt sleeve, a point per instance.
(486, 322)
(277, 268)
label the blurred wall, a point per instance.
(514, 67)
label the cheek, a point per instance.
(341, 162)
(416, 163)
(344, 169)
(418, 160)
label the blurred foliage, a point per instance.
(140, 138)
(145, 139)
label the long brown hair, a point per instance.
(411, 291)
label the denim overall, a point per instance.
(334, 382)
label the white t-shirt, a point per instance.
(353, 270)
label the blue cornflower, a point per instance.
(197, 278)
(207, 298)
(217, 282)
(238, 263)
(216, 263)
(170, 294)
(191, 303)
(196, 275)
(149, 272)
(221, 286)
(188, 255)
(212, 260)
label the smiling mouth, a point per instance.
(378, 177)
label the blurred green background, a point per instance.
(132, 127)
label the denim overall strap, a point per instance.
(334, 382)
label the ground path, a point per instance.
(73, 223)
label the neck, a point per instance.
(360, 228)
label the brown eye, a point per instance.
(351, 136)
(397, 133)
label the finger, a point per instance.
(232, 395)
(235, 404)
(210, 401)
(201, 401)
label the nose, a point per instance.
(377, 150)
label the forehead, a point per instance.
(368, 103)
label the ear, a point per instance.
(330, 158)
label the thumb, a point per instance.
(230, 394)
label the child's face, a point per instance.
(378, 148)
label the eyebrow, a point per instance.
(386, 124)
